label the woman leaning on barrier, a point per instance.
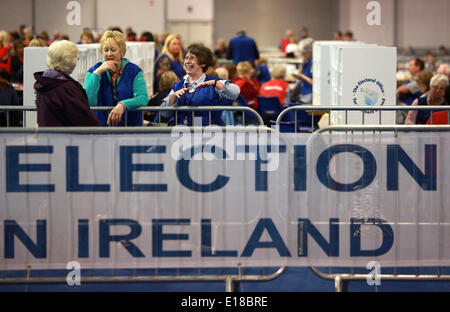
(116, 82)
(433, 97)
(60, 100)
(199, 89)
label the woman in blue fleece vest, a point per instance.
(198, 89)
(116, 82)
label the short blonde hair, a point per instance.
(439, 79)
(278, 71)
(62, 56)
(118, 37)
(167, 80)
(243, 68)
(3, 38)
(37, 43)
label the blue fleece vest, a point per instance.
(108, 95)
(201, 97)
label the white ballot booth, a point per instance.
(35, 59)
(355, 73)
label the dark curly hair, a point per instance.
(203, 55)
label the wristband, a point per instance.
(215, 83)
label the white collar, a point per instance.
(199, 81)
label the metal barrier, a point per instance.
(176, 110)
(312, 109)
(340, 278)
(229, 279)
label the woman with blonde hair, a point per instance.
(171, 58)
(248, 83)
(117, 82)
(5, 47)
(61, 100)
(435, 96)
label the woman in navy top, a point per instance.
(433, 97)
(198, 89)
(171, 58)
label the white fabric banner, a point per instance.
(133, 201)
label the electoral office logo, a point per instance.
(369, 92)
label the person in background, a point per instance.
(242, 48)
(22, 31)
(165, 84)
(408, 92)
(86, 36)
(198, 89)
(132, 36)
(305, 72)
(444, 69)
(117, 82)
(277, 87)
(304, 33)
(349, 36)
(442, 50)
(337, 35)
(60, 100)
(163, 37)
(430, 62)
(248, 84)
(37, 43)
(262, 72)
(221, 50)
(45, 37)
(232, 72)
(17, 61)
(5, 57)
(222, 73)
(56, 36)
(65, 37)
(171, 58)
(14, 35)
(147, 36)
(292, 48)
(435, 96)
(8, 96)
(286, 40)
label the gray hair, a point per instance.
(279, 71)
(306, 45)
(439, 79)
(62, 56)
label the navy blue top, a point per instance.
(200, 97)
(307, 71)
(243, 48)
(264, 74)
(109, 95)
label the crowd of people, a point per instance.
(189, 76)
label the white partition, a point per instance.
(354, 73)
(35, 59)
(363, 76)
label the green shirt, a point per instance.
(140, 95)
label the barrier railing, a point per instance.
(174, 110)
(238, 274)
(314, 111)
(340, 278)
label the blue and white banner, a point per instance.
(177, 200)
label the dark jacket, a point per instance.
(62, 101)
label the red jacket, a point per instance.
(275, 87)
(249, 90)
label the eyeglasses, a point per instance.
(191, 58)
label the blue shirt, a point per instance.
(243, 48)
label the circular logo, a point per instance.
(369, 92)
